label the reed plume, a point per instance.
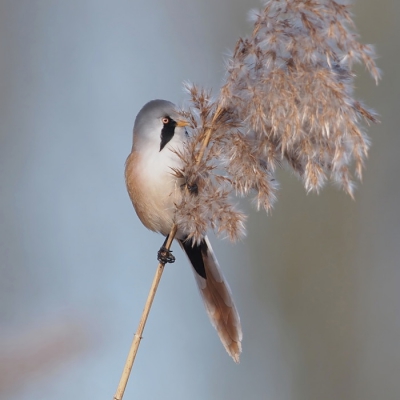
(287, 100)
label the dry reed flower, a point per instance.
(287, 100)
(207, 204)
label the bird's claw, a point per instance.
(165, 256)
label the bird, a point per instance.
(159, 132)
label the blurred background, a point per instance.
(316, 283)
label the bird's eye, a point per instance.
(165, 120)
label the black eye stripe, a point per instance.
(167, 132)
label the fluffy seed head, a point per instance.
(287, 100)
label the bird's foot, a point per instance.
(165, 256)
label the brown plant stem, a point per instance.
(207, 135)
(138, 335)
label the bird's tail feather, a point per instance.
(216, 295)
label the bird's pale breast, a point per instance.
(153, 188)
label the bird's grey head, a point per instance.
(156, 122)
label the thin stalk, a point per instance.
(207, 135)
(138, 335)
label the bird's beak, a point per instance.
(181, 123)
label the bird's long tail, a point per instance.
(216, 295)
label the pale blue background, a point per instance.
(316, 283)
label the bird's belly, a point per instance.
(161, 204)
(154, 191)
